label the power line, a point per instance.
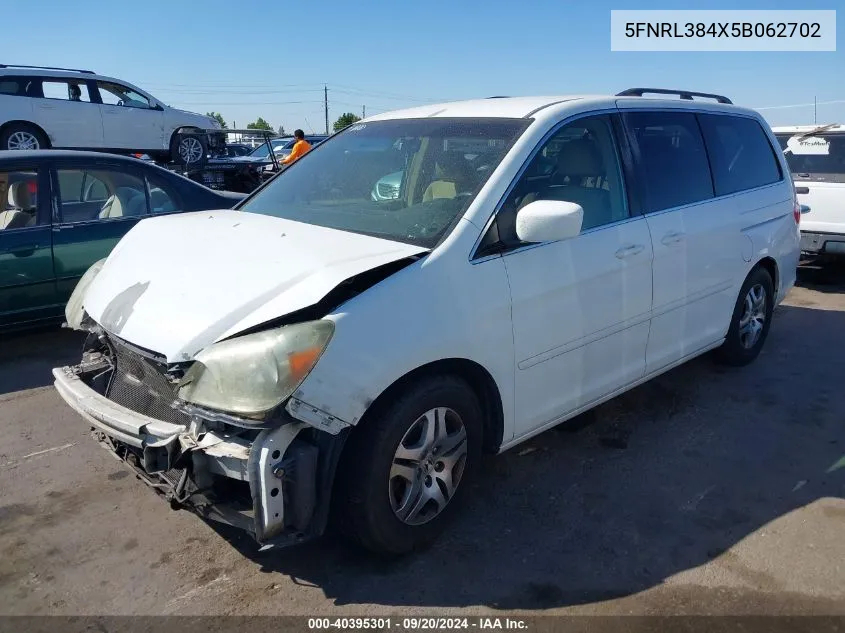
(211, 102)
(800, 105)
(237, 91)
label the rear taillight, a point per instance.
(796, 212)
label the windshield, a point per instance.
(820, 156)
(405, 180)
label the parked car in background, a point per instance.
(322, 347)
(816, 157)
(60, 211)
(43, 108)
(285, 149)
(237, 149)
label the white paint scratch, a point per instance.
(48, 450)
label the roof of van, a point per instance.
(525, 107)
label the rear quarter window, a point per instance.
(13, 86)
(741, 155)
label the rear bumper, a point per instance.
(187, 465)
(823, 243)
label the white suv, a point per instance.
(541, 255)
(816, 157)
(44, 107)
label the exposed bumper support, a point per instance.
(283, 472)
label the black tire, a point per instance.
(734, 351)
(15, 128)
(363, 509)
(176, 154)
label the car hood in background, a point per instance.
(176, 284)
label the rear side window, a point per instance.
(11, 86)
(100, 194)
(673, 161)
(67, 90)
(740, 153)
(820, 156)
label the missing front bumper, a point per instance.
(272, 483)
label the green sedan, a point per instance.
(61, 211)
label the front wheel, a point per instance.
(188, 150)
(751, 319)
(405, 472)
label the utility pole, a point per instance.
(326, 106)
(363, 112)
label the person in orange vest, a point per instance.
(300, 148)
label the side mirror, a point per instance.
(548, 221)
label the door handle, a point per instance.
(672, 238)
(22, 250)
(802, 190)
(629, 251)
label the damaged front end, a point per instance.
(271, 476)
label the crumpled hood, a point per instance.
(176, 284)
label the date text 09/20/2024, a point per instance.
(416, 624)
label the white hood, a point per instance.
(175, 284)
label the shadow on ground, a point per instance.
(27, 358)
(827, 277)
(665, 478)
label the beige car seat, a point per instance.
(22, 211)
(453, 175)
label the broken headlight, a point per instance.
(253, 374)
(74, 312)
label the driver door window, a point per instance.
(118, 95)
(579, 164)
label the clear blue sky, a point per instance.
(271, 58)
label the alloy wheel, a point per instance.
(23, 140)
(190, 149)
(753, 316)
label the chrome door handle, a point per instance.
(672, 238)
(629, 251)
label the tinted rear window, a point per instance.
(820, 157)
(673, 159)
(11, 86)
(740, 153)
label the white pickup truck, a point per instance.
(816, 157)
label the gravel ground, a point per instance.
(708, 490)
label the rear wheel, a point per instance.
(751, 319)
(20, 136)
(404, 473)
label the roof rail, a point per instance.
(687, 95)
(75, 70)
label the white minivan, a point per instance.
(319, 349)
